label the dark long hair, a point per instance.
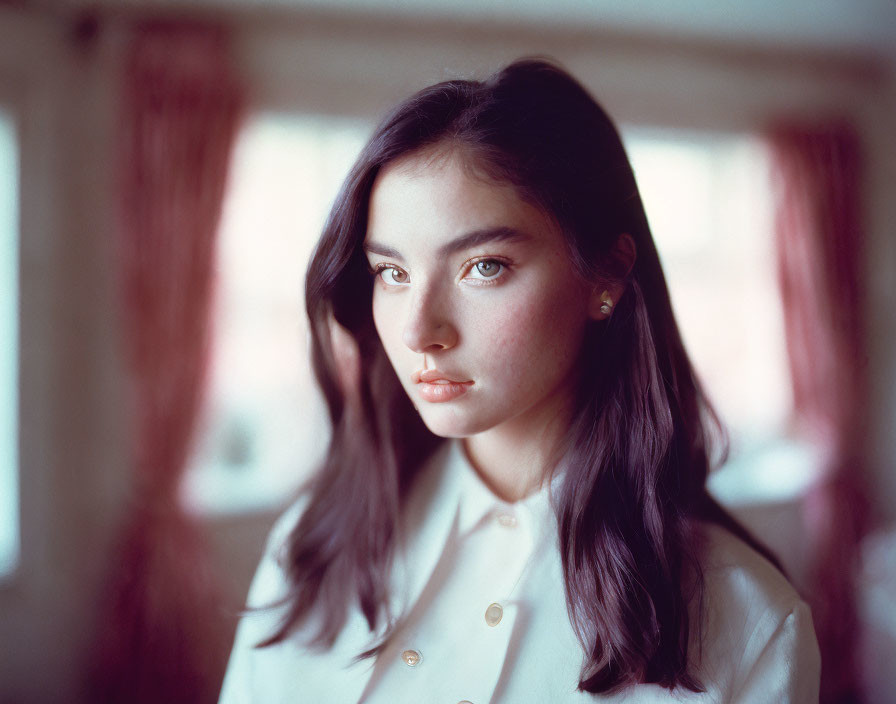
(637, 454)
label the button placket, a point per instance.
(507, 519)
(493, 614)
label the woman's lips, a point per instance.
(438, 392)
(437, 387)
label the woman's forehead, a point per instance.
(435, 197)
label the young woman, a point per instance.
(513, 505)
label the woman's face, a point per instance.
(475, 299)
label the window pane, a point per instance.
(265, 425)
(9, 305)
(708, 200)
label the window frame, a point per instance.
(11, 106)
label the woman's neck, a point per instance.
(514, 459)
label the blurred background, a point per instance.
(165, 169)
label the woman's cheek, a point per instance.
(501, 326)
(552, 327)
(388, 324)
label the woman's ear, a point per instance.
(605, 296)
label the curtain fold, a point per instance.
(821, 250)
(162, 637)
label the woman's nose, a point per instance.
(429, 325)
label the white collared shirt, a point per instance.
(480, 590)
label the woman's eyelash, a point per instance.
(380, 270)
(377, 269)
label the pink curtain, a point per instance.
(163, 638)
(821, 254)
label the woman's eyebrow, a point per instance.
(382, 250)
(472, 239)
(481, 237)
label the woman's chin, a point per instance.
(449, 425)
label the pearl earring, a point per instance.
(606, 303)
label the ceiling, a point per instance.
(861, 26)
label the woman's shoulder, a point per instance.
(427, 497)
(270, 583)
(754, 619)
(747, 579)
(286, 522)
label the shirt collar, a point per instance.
(476, 502)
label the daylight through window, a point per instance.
(9, 347)
(707, 199)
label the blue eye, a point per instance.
(486, 269)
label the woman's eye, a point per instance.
(486, 269)
(393, 276)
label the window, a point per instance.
(265, 425)
(9, 349)
(708, 202)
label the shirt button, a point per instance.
(465, 701)
(411, 657)
(493, 614)
(508, 520)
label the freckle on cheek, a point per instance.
(507, 328)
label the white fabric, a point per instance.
(466, 549)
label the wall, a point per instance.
(62, 77)
(71, 435)
(363, 66)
